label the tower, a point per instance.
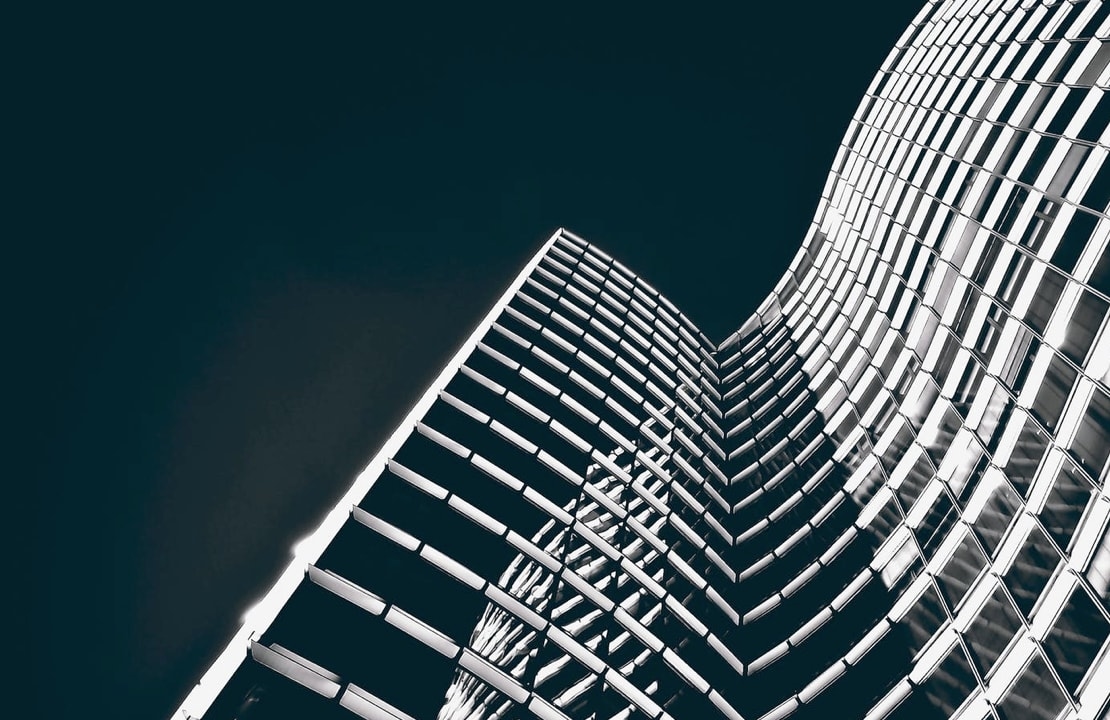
(883, 496)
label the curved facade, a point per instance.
(884, 496)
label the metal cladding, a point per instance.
(884, 496)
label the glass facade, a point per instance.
(883, 496)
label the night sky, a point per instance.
(258, 234)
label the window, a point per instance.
(997, 513)
(1074, 641)
(1100, 116)
(1033, 566)
(1035, 695)
(1098, 63)
(1065, 504)
(1043, 148)
(1075, 239)
(992, 630)
(950, 683)
(1053, 393)
(985, 264)
(1098, 574)
(1098, 193)
(1016, 368)
(988, 334)
(958, 574)
(1014, 278)
(934, 528)
(1069, 166)
(1034, 236)
(1044, 301)
(1086, 319)
(1026, 457)
(924, 618)
(916, 479)
(1091, 445)
(1014, 204)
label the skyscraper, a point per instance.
(883, 496)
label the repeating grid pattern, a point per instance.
(884, 496)
(950, 302)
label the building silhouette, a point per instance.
(883, 496)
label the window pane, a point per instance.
(1098, 573)
(924, 618)
(1032, 568)
(996, 515)
(951, 683)
(916, 480)
(1026, 456)
(1035, 695)
(1014, 278)
(992, 630)
(956, 577)
(993, 419)
(1065, 504)
(1075, 239)
(1044, 302)
(934, 527)
(1086, 320)
(1076, 638)
(1053, 393)
(1100, 275)
(1091, 445)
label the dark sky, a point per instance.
(258, 234)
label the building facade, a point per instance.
(883, 496)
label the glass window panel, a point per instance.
(988, 335)
(1014, 278)
(997, 514)
(1100, 117)
(992, 630)
(896, 450)
(1086, 320)
(1075, 239)
(1033, 566)
(1015, 370)
(1065, 504)
(924, 618)
(1091, 445)
(1100, 275)
(1044, 302)
(1098, 573)
(915, 481)
(1014, 203)
(1069, 248)
(950, 684)
(968, 386)
(1042, 150)
(936, 524)
(1074, 641)
(1035, 695)
(994, 415)
(1037, 231)
(1026, 457)
(929, 324)
(987, 259)
(1098, 193)
(949, 425)
(1053, 393)
(956, 577)
(1091, 73)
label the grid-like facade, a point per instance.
(884, 496)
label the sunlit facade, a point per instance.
(883, 496)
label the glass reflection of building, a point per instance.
(883, 496)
